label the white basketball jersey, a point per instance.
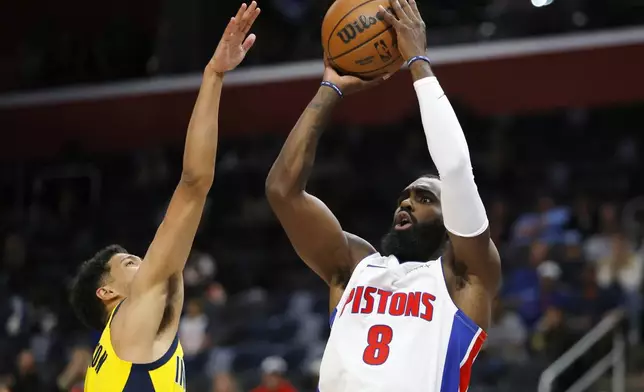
(397, 329)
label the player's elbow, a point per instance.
(275, 192)
(276, 188)
(457, 168)
(198, 181)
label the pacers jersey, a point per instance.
(109, 373)
(396, 328)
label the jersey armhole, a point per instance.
(464, 317)
(116, 309)
(148, 366)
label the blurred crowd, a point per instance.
(71, 43)
(561, 194)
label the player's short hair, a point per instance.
(430, 175)
(90, 276)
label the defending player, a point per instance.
(137, 303)
(409, 318)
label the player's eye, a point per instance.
(129, 263)
(425, 199)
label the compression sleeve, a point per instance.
(463, 211)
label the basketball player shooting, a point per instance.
(137, 303)
(410, 318)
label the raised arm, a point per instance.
(313, 230)
(139, 317)
(464, 215)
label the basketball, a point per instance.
(357, 40)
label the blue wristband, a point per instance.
(416, 58)
(333, 86)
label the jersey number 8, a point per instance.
(378, 338)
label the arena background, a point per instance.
(94, 103)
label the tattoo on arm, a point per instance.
(320, 108)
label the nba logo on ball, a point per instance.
(383, 51)
(357, 41)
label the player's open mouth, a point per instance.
(403, 221)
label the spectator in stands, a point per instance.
(26, 378)
(505, 346)
(533, 288)
(499, 221)
(312, 375)
(573, 262)
(507, 335)
(547, 223)
(14, 260)
(273, 380)
(194, 339)
(199, 272)
(72, 377)
(583, 217)
(598, 245)
(591, 302)
(623, 267)
(224, 382)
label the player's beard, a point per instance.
(421, 242)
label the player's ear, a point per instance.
(106, 293)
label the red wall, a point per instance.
(511, 85)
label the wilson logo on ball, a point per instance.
(351, 30)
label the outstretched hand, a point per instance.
(234, 43)
(409, 26)
(349, 84)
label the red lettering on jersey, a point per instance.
(429, 306)
(357, 299)
(413, 304)
(368, 296)
(384, 296)
(397, 305)
(353, 291)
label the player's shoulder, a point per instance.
(360, 248)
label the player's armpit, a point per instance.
(480, 257)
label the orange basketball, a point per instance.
(357, 40)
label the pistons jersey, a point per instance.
(396, 328)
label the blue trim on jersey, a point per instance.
(161, 361)
(139, 380)
(116, 309)
(332, 317)
(376, 266)
(463, 332)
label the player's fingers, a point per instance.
(248, 43)
(414, 9)
(240, 12)
(245, 18)
(406, 8)
(389, 17)
(252, 16)
(400, 13)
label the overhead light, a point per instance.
(541, 3)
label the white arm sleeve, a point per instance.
(463, 211)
